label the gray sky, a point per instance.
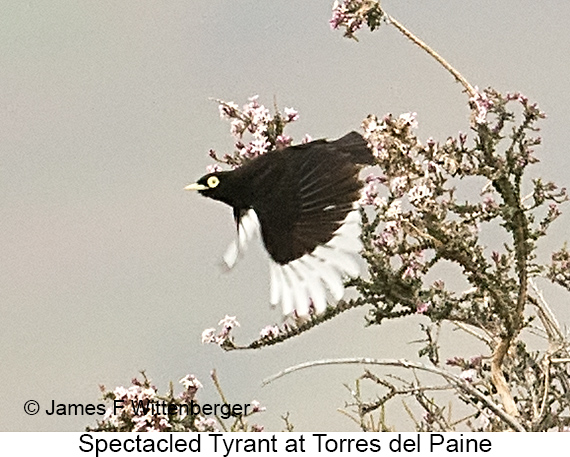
(109, 267)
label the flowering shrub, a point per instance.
(421, 208)
(140, 408)
(413, 220)
(424, 204)
(254, 121)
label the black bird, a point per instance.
(304, 200)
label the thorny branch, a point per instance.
(454, 380)
(413, 221)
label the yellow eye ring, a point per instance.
(213, 181)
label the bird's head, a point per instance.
(217, 185)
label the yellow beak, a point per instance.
(196, 186)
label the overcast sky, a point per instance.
(109, 267)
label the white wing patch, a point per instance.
(313, 279)
(248, 228)
(305, 281)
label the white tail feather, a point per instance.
(311, 275)
(308, 278)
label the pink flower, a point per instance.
(338, 17)
(422, 307)
(468, 375)
(476, 360)
(237, 127)
(291, 114)
(191, 382)
(229, 322)
(259, 146)
(368, 194)
(257, 408)
(271, 331)
(213, 168)
(481, 105)
(283, 141)
(206, 425)
(455, 361)
(489, 204)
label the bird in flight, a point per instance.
(303, 201)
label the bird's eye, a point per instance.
(213, 181)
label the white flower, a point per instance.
(120, 392)
(394, 210)
(419, 193)
(209, 336)
(410, 119)
(229, 322)
(370, 125)
(257, 406)
(481, 104)
(450, 164)
(292, 114)
(468, 375)
(380, 202)
(205, 425)
(190, 381)
(398, 185)
(270, 331)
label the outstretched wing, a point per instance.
(312, 278)
(309, 223)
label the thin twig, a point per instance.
(468, 87)
(545, 314)
(486, 339)
(301, 327)
(546, 364)
(216, 381)
(456, 381)
(560, 360)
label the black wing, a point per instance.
(306, 192)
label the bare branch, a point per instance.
(454, 380)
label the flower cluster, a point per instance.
(136, 413)
(270, 331)
(409, 187)
(211, 336)
(438, 202)
(353, 14)
(480, 106)
(414, 218)
(255, 131)
(369, 194)
(470, 369)
(559, 270)
(143, 409)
